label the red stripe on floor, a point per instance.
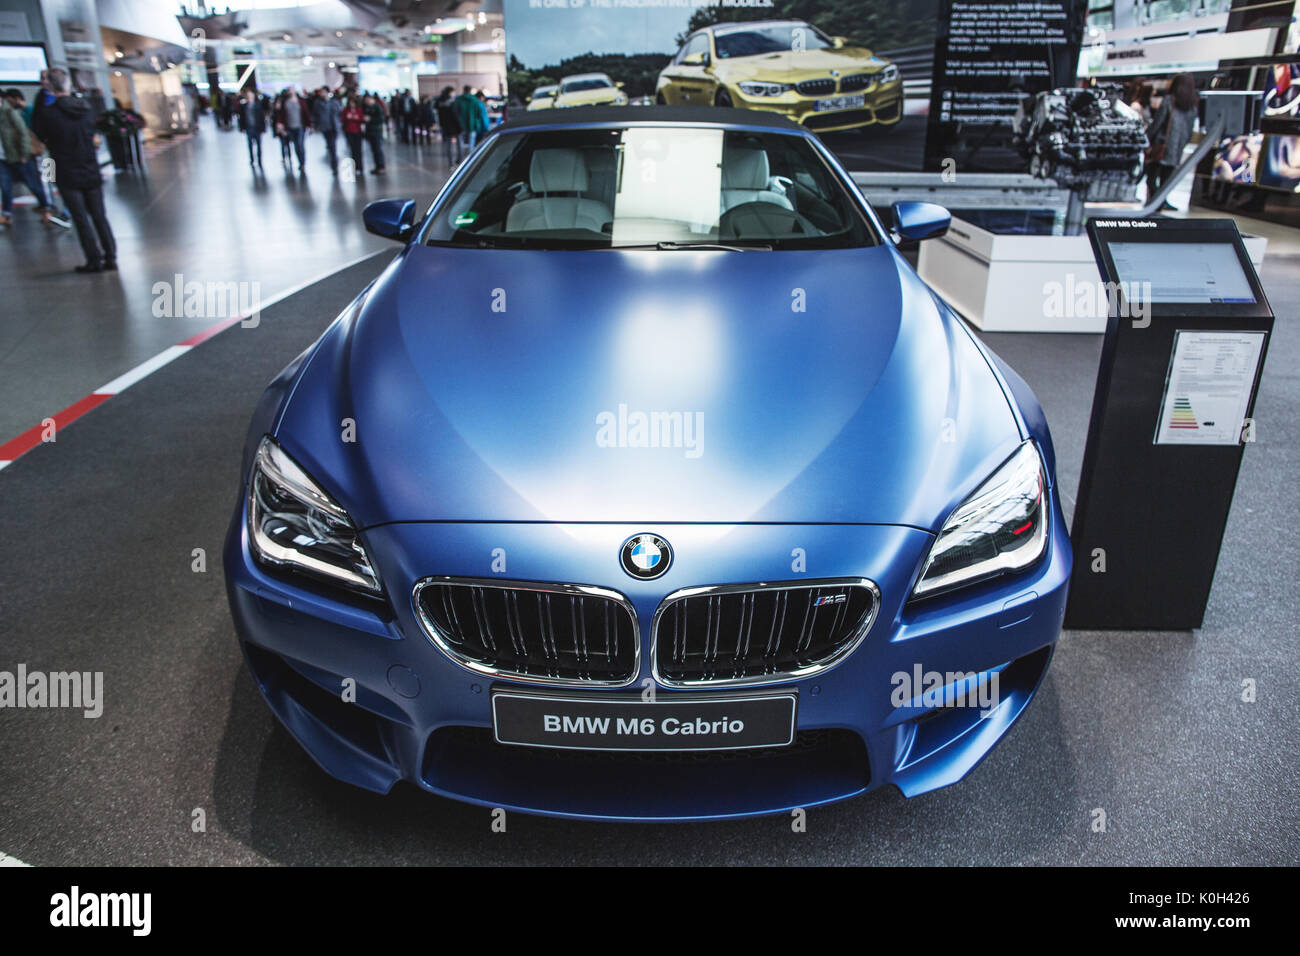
(212, 330)
(32, 437)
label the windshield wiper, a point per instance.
(727, 247)
(669, 246)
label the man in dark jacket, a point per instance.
(66, 124)
(375, 130)
(325, 110)
(448, 124)
(293, 115)
(252, 120)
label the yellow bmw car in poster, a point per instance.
(543, 97)
(784, 66)
(589, 89)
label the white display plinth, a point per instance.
(1003, 283)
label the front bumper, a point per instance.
(882, 105)
(419, 717)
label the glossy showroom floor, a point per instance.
(95, 574)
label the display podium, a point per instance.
(1185, 343)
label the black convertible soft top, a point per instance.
(666, 115)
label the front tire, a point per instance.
(722, 98)
(659, 99)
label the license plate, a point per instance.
(840, 103)
(677, 722)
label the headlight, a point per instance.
(1002, 527)
(888, 75)
(293, 522)
(752, 88)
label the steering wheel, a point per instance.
(759, 220)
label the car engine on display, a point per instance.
(786, 596)
(1088, 140)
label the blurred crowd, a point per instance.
(364, 120)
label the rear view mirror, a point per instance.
(921, 220)
(390, 218)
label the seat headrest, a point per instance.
(744, 168)
(557, 171)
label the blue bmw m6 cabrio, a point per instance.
(648, 482)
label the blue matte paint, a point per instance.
(849, 430)
(390, 218)
(921, 220)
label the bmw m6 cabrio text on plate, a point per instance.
(648, 482)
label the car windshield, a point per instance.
(776, 38)
(650, 186)
(593, 83)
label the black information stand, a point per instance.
(1185, 345)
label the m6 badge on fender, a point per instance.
(646, 556)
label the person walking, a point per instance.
(17, 160)
(398, 115)
(286, 151)
(448, 125)
(428, 118)
(1170, 130)
(472, 115)
(375, 122)
(295, 117)
(252, 121)
(17, 101)
(353, 120)
(67, 127)
(1138, 97)
(325, 111)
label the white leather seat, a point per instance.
(554, 171)
(746, 177)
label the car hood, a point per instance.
(793, 66)
(807, 386)
(588, 97)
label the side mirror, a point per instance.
(921, 220)
(619, 84)
(697, 59)
(839, 42)
(390, 218)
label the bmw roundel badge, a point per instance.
(646, 556)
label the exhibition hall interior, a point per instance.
(461, 432)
